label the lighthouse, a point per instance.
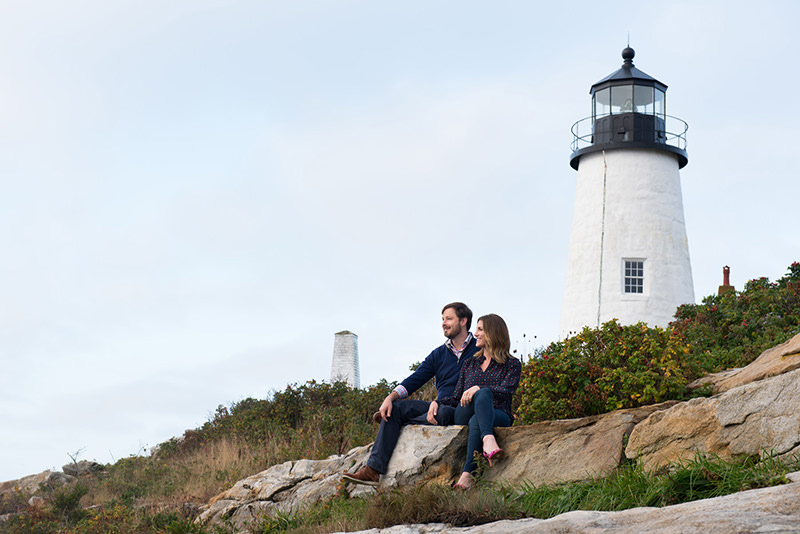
(344, 367)
(628, 252)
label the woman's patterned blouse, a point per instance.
(502, 379)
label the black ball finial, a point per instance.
(627, 55)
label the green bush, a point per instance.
(12, 502)
(732, 329)
(66, 503)
(603, 369)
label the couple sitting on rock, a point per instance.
(476, 377)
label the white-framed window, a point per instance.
(632, 276)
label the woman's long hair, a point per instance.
(496, 341)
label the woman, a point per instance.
(483, 393)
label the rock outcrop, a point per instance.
(422, 454)
(749, 420)
(29, 485)
(567, 450)
(281, 487)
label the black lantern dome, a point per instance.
(629, 111)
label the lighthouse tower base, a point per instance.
(628, 253)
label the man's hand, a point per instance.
(433, 409)
(386, 405)
(466, 397)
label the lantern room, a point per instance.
(629, 111)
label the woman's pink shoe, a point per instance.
(496, 454)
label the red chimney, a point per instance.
(726, 281)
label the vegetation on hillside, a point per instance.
(628, 487)
(595, 371)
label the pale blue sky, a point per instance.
(196, 195)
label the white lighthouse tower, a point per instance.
(344, 367)
(628, 253)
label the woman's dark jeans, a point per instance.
(482, 417)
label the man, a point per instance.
(444, 363)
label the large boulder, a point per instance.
(753, 419)
(567, 450)
(426, 453)
(772, 362)
(82, 468)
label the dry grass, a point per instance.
(220, 466)
(194, 476)
(437, 504)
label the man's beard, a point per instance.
(454, 332)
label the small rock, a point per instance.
(190, 510)
(57, 479)
(84, 467)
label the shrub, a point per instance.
(35, 520)
(112, 519)
(12, 502)
(603, 369)
(732, 329)
(66, 503)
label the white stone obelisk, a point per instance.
(628, 253)
(344, 367)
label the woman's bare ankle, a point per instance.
(465, 481)
(490, 444)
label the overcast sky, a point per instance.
(195, 195)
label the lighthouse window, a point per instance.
(633, 280)
(622, 99)
(602, 101)
(643, 99)
(660, 103)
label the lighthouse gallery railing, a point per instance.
(673, 132)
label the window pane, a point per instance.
(643, 99)
(602, 102)
(660, 103)
(622, 99)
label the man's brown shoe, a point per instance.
(376, 418)
(366, 475)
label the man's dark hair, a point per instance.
(461, 310)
